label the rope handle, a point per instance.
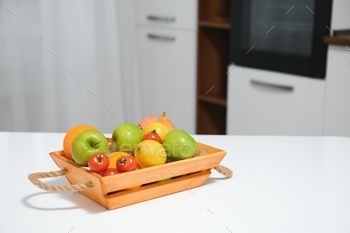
(227, 172)
(34, 178)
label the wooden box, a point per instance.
(143, 184)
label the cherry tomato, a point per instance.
(98, 162)
(126, 163)
(152, 136)
(110, 172)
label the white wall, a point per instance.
(52, 53)
(129, 66)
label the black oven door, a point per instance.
(281, 35)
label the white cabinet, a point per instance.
(337, 115)
(177, 14)
(166, 52)
(270, 103)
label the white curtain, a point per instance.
(60, 65)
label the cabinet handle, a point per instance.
(163, 19)
(158, 37)
(271, 85)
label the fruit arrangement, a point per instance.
(153, 141)
(96, 165)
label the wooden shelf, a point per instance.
(214, 11)
(211, 118)
(213, 58)
(212, 62)
(213, 100)
(214, 25)
(341, 37)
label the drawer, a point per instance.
(270, 103)
(181, 14)
(167, 74)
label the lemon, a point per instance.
(113, 157)
(160, 128)
(150, 153)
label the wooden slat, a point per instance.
(337, 40)
(159, 189)
(224, 25)
(161, 172)
(213, 100)
(340, 37)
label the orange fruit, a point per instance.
(113, 157)
(71, 134)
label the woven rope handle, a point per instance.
(227, 172)
(34, 178)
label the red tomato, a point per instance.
(98, 162)
(126, 163)
(152, 136)
(110, 172)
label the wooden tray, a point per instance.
(143, 184)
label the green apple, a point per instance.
(86, 144)
(179, 145)
(126, 137)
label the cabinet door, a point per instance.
(181, 14)
(337, 119)
(270, 103)
(166, 60)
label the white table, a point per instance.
(280, 184)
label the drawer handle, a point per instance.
(158, 37)
(163, 19)
(271, 85)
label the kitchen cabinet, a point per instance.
(286, 105)
(166, 57)
(271, 103)
(179, 14)
(337, 114)
(212, 61)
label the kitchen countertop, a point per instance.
(279, 184)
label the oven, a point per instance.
(281, 35)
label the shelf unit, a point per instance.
(340, 37)
(212, 62)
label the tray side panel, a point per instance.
(158, 189)
(79, 175)
(156, 173)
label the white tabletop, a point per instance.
(280, 184)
